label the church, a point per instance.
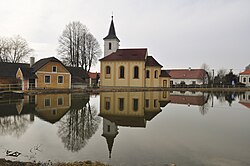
(129, 67)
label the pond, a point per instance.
(128, 128)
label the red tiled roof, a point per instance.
(93, 75)
(192, 100)
(138, 54)
(187, 73)
(245, 104)
(152, 62)
(246, 72)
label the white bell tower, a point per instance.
(111, 41)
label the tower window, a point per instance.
(136, 72)
(122, 72)
(110, 45)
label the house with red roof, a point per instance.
(245, 77)
(131, 67)
(188, 76)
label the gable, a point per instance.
(48, 67)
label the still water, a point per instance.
(128, 128)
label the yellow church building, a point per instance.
(129, 67)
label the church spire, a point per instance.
(111, 34)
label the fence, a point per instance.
(10, 87)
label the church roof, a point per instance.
(111, 34)
(152, 62)
(137, 54)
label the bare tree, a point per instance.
(247, 67)
(93, 51)
(208, 74)
(221, 73)
(14, 49)
(78, 47)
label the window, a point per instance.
(244, 79)
(109, 128)
(122, 72)
(54, 112)
(155, 103)
(249, 79)
(135, 104)
(110, 46)
(47, 79)
(121, 104)
(107, 69)
(54, 69)
(147, 74)
(47, 102)
(60, 101)
(248, 97)
(244, 96)
(60, 80)
(136, 72)
(193, 82)
(147, 103)
(156, 73)
(107, 103)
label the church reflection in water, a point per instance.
(129, 109)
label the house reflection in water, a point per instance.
(245, 99)
(189, 98)
(52, 107)
(129, 109)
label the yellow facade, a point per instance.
(113, 79)
(52, 107)
(47, 70)
(111, 105)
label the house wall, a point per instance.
(47, 71)
(247, 77)
(55, 110)
(114, 46)
(128, 80)
(188, 81)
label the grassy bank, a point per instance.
(133, 89)
(4, 162)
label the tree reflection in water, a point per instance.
(14, 125)
(78, 126)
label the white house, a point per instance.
(245, 77)
(188, 76)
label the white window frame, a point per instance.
(62, 79)
(45, 102)
(49, 79)
(60, 97)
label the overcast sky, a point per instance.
(179, 34)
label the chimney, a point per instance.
(189, 69)
(32, 61)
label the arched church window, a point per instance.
(107, 69)
(156, 73)
(136, 72)
(147, 74)
(122, 72)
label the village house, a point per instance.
(245, 77)
(188, 76)
(47, 73)
(129, 67)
